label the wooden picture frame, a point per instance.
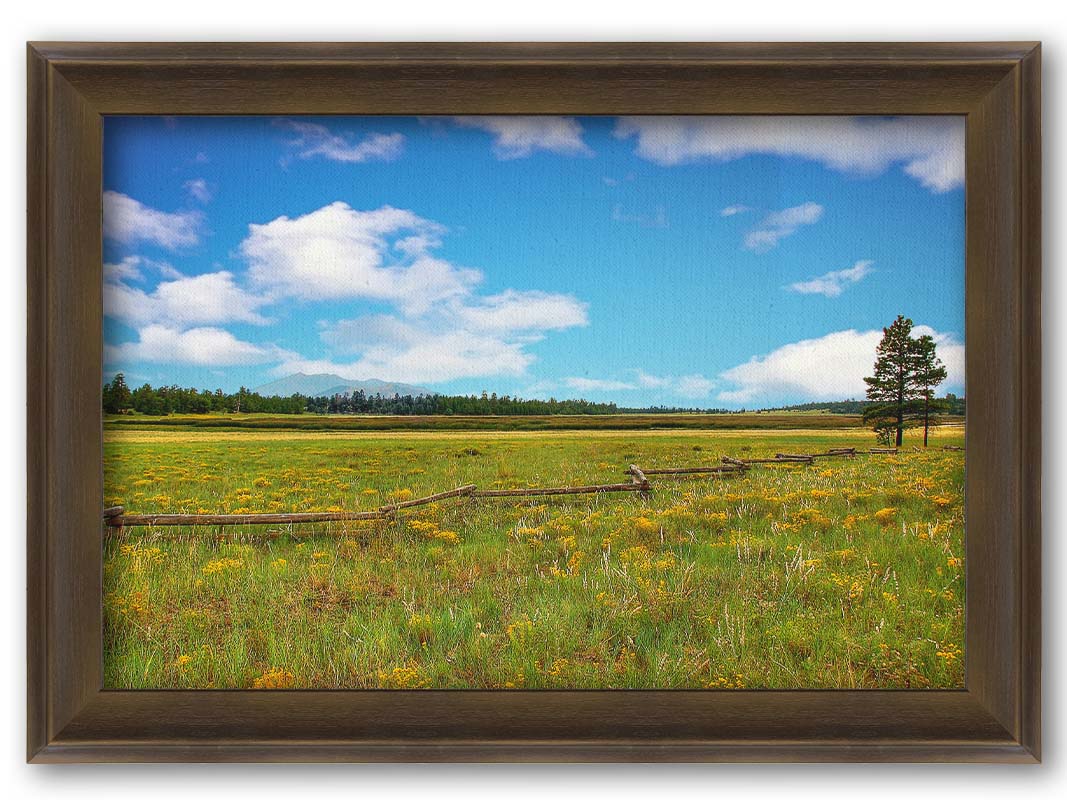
(995, 718)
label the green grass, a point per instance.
(786, 577)
(557, 422)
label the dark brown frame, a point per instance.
(995, 718)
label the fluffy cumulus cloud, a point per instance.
(930, 149)
(439, 328)
(311, 140)
(519, 137)
(339, 253)
(203, 347)
(833, 284)
(128, 221)
(514, 311)
(212, 298)
(779, 224)
(442, 329)
(831, 367)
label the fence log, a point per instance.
(840, 451)
(121, 520)
(604, 487)
(433, 498)
(698, 470)
(151, 520)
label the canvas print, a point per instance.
(520, 403)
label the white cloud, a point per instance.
(519, 137)
(731, 211)
(130, 269)
(831, 367)
(337, 252)
(204, 347)
(832, 284)
(779, 224)
(198, 190)
(128, 221)
(441, 329)
(421, 355)
(211, 298)
(930, 148)
(694, 386)
(459, 338)
(951, 352)
(317, 140)
(690, 387)
(513, 310)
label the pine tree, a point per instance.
(894, 386)
(930, 372)
(117, 397)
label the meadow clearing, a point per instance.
(846, 573)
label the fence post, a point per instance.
(638, 477)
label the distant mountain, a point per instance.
(327, 385)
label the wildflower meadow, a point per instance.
(845, 573)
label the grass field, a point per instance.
(556, 422)
(848, 573)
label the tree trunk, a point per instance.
(926, 420)
(900, 405)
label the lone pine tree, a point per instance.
(901, 391)
(930, 373)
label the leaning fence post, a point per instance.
(638, 477)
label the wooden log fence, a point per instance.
(115, 517)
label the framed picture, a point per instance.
(534, 402)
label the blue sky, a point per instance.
(692, 261)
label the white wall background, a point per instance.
(544, 20)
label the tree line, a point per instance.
(118, 398)
(486, 404)
(951, 404)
